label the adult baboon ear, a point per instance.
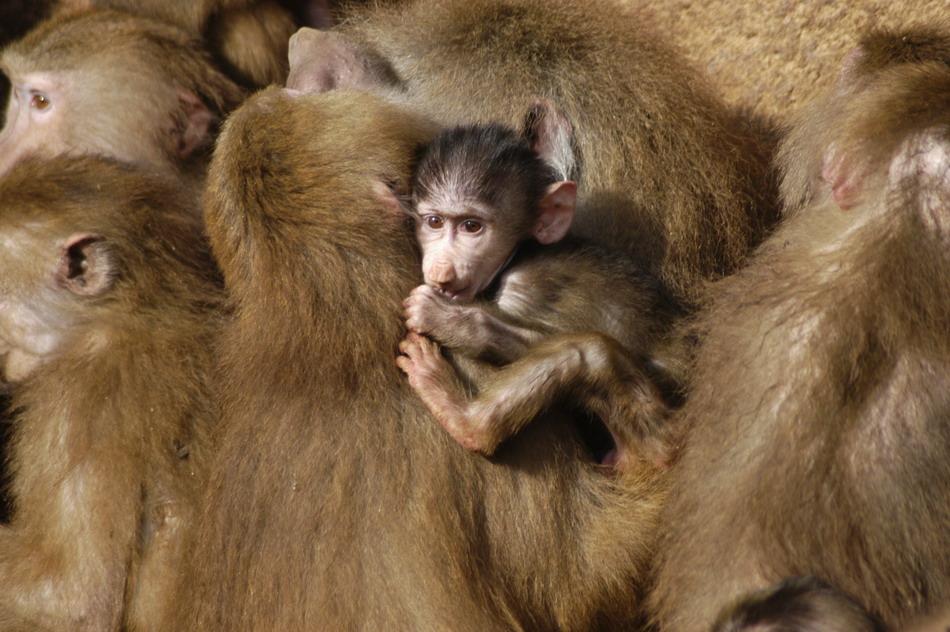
(85, 265)
(321, 61)
(551, 135)
(195, 119)
(844, 177)
(556, 212)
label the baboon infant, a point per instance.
(335, 501)
(666, 173)
(566, 319)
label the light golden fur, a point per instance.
(337, 502)
(819, 409)
(112, 434)
(664, 171)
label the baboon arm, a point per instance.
(591, 368)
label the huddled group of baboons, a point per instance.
(473, 315)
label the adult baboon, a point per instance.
(108, 312)
(337, 502)
(820, 403)
(664, 171)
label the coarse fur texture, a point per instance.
(337, 502)
(108, 311)
(798, 604)
(567, 323)
(247, 37)
(251, 42)
(503, 285)
(820, 401)
(115, 85)
(487, 163)
(561, 288)
(773, 57)
(664, 171)
(804, 155)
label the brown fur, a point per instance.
(6, 431)
(664, 171)
(251, 42)
(775, 56)
(248, 37)
(619, 317)
(820, 409)
(337, 503)
(500, 290)
(111, 442)
(939, 623)
(119, 85)
(871, 133)
(799, 604)
(16, 18)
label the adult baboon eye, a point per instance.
(434, 221)
(471, 226)
(39, 101)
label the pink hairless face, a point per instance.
(465, 243)
(463, 246)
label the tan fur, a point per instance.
(939, 623)
(798, 604)
(775, 56)
(665, 172)
(188, 15)
(871, 134)
(113, 429)
(120, 78)
(619, 317)
(252, 42)
(820, 408)
(337, 502)
(248, 36)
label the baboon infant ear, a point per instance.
(557, 212)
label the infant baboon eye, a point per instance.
(434, 221)
(39, 101)
(471, 226)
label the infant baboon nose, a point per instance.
(442, 275)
